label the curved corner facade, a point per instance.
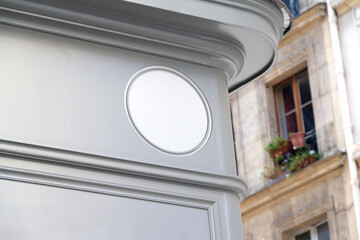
(90, 148)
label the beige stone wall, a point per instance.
(253, 107)
(310, 45)
(298, 202)
(275, 209)
(248, 107)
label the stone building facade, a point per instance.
(315, 202)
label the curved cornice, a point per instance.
(238, 37)
(29, 152)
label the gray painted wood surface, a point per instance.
(72, 165)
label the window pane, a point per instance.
(308, 117)
(309, 126)
(283, 128)
(304, 236)
(288, 124)
(304, 86)
(288, 97)
(323, 232)
(310, 139)
(291, 125)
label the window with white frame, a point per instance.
(316, 232)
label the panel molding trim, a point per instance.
(230, 183)
(98, 187)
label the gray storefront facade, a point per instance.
(115, 118)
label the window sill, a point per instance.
(324, 168)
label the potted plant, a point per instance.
(297, 139)
(289, 163)
(301, 158)
(278, 147)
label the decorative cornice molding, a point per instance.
(230, 183)
(223, 54)
(222, 41)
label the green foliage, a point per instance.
(278, 159)
(276, 144)
(288, 163)
(302, 158)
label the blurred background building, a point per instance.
(314, 88)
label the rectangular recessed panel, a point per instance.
(31, 211)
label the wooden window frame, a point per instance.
(296, 92)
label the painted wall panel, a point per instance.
(34, 211)
(69, 94)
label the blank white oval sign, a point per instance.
(168, 111)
